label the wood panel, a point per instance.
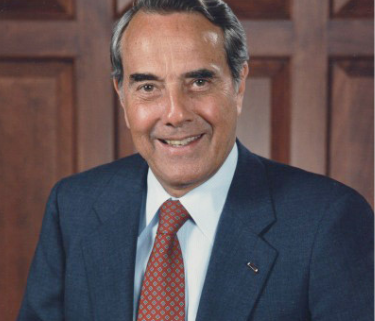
(273, 38)
(350, 37)
(351, 125)
(36, 149)
(309, 92)
(36, 9)
(264, 125)
(55, 61)
(121, 6)
(352, 8)
(261, 9)
(95, 113)
(29, 39)
(255, 9)
(254, 123)
(85, 40)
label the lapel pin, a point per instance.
(253, 267)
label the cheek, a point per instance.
(220, 113)
(141, 118)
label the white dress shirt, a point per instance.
(204, 204)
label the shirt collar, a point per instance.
(204, 203)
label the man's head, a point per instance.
(215, 11)
(180, 69)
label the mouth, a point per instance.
(182, 142)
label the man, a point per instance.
(251, 239)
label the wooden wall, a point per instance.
(309, 102)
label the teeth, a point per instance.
(184, 142)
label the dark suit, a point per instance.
(310, 237)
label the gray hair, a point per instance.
(216, 11)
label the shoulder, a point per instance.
(299, 194)
(73, 199)
(295, 183)
(287, 181)
(321, 225)
(102, 174)
(289, 178)
(86, 187)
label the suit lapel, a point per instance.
(231, 287)
(110, 251)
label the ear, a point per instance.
(242, 87)
(120, 93)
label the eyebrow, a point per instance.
(142, 77)
(200, 73)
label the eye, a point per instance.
(200, 82)
(148, 87)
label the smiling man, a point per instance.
(196, 227)
(179, 97)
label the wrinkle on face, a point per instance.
(167, 48)
(171, 52)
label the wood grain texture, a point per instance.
(264, 125)
(85, 40)
(36, 149)
(352, 8)
(309, 81)
(95, 114)
(255, 9)
(39, 39)
(281, 113)
(121, 6)
(261, 9)
(36, 9)
(351, 125)
(272, 38)
(352, 37)
(45, 63)
(254, 123)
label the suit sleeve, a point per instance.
(342, 262)
(44, 295)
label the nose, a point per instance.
(177, 109)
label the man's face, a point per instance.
(180, 102)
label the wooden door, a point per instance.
(56, 117)
(310, 90)
(309, 102)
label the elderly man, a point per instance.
(196, 227)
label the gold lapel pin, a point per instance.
(253, 267)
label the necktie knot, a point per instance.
(171, 217)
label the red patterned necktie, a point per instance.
(163, 288)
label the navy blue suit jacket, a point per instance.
(310, 237)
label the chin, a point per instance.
(183, 183)
(178, 181)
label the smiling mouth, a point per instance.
(180, 143)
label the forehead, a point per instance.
(152, 37)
